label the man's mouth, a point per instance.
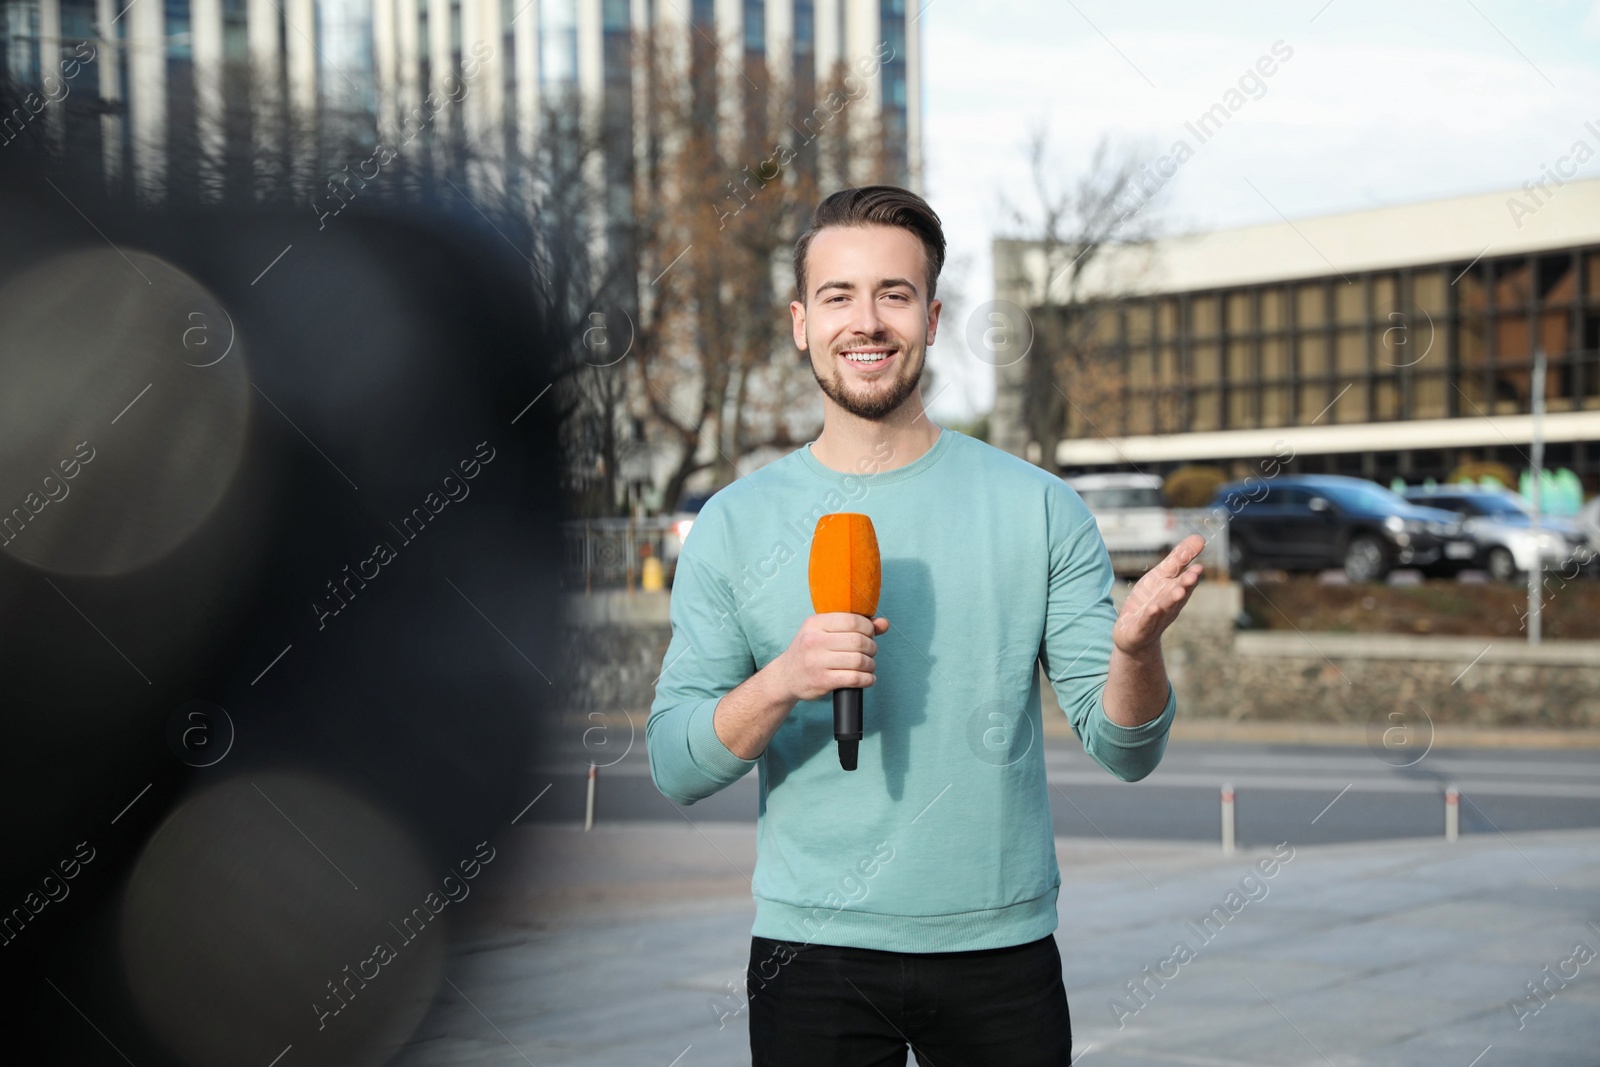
(868, 357)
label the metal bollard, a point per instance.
(1452, 813)
(588, 807)
(1227, 819)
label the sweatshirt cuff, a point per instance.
(707, 750)
(1137, 736)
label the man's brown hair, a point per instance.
(876, 205)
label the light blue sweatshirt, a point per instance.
(942, 840)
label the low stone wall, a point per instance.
(1357, 679)
(616, 643)
(613, 646)
(1344, 678)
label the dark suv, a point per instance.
(1312, 522)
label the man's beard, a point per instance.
(879, 404)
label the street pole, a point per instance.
(588, 804)
(1227, 819)
(1536, 572)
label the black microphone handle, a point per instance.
(847, 725)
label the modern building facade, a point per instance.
(156, 85)
(1391, 342)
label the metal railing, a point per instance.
(610, 553)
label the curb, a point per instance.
(1356, 736)
(1352, 736)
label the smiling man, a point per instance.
(911, 903)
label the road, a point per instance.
(1307, 793)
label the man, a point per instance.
(911, 902)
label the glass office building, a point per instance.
(157, 89)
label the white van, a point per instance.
(1131, 511)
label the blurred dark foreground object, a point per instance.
(277, 584)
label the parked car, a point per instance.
(1314, 522)
(679, 524)
(1500, 524)
(1588, 522)
(1132, 514)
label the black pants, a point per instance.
(825, 1006)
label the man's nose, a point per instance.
(866, 319)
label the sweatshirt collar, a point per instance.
(868, 472)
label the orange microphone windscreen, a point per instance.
(845, 570)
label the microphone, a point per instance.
(846, 575)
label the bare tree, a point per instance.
(719, 212)
(588, 283)
(1071, 375)
(663, 272)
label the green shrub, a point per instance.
(1476, 471)
(1193, 486)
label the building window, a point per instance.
(1349, 303)
(1139, 324)
(1311, 359)
(558, 41)
(1274, 360)
(1428, 400)
(1310, 306)
(1168, 372)
(1240, 371)
(805, 32)
(1240, 413)
(1350, 352)
(1239, 321)
(1272, 316)
(1313, 398)
(755, 26)
(178, 44)
(1428, 293)
(1386, 398)
(1275, 405)
(1351, 403)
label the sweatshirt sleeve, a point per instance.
(707, 657)
(1076, 651)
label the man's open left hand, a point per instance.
(1156, 599)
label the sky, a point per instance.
(1380, 102)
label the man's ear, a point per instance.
(797, 316)
(934, 307)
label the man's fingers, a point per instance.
(849, 661)
(1183, 553)
(1154, 584)
(840, 622)
(1153, 605)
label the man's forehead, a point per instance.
(846, 240)
(864, 253)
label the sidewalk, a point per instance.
(612, 948)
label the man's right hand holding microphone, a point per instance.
(832, 650)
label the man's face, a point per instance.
(867, 320)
